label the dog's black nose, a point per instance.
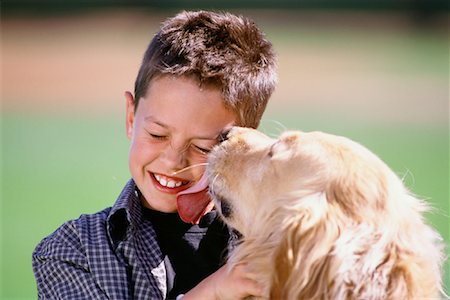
(225, 208)
(223, 136)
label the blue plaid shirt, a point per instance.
(112, 254)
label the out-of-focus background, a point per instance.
(375, 71)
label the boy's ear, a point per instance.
(129, 114)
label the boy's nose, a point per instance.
(175, 157)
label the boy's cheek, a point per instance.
(144, 150)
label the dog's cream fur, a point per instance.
(323, 218)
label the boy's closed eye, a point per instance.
(158, 136)
(198, 148)
(201, 150)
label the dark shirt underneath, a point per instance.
(192, 252)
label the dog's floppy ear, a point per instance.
(301, 260)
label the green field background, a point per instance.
(374, 78)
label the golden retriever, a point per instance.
(322, 217)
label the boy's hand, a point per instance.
(225, 284)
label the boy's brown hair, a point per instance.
(226, 51)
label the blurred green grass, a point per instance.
(58, 167)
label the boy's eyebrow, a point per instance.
(152, 119)
(208, 138)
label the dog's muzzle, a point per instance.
(225, 208)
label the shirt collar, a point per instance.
(126, 214)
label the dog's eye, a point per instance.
(271, 150)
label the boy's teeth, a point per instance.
(167, 182)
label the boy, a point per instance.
(202, 73)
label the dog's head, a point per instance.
(334, 212)
(250, 169)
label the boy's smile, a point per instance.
(167, 184)
(174, 127)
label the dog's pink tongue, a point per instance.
(194, 202)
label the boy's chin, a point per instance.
(163, 205)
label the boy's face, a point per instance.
(174, 127)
